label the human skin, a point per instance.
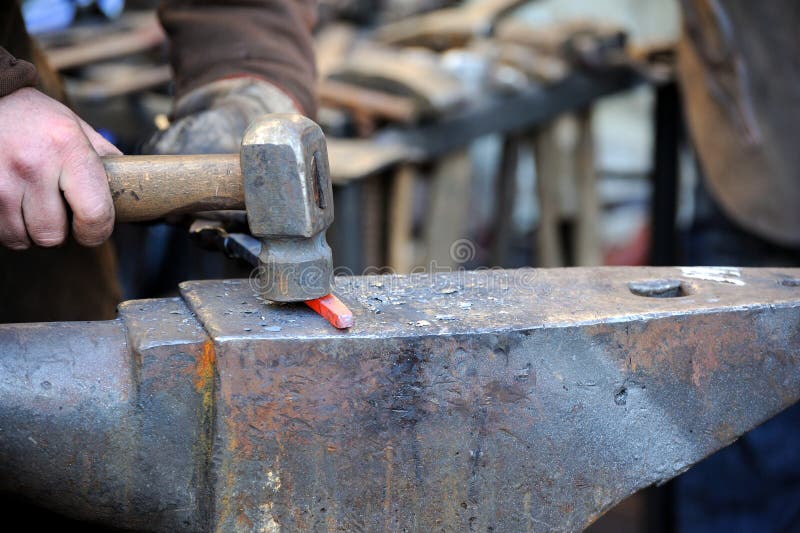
(50, 160)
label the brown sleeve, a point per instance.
(15, 73)
(268, 39)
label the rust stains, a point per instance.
(204, 370)
(203, 448)
(505, 392)
(692, 348)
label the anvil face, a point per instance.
(513, 400)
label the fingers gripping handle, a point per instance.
(154, 186)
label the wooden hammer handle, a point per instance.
(150, 187)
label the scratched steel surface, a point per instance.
(104, 421)
(528, 400)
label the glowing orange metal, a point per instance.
(333, 310)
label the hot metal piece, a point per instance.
(333, 310)
(542, 399)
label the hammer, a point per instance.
(281, 178)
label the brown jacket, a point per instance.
(210, 40)
(740, 73)
(15, 72)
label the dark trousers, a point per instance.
(754, 484)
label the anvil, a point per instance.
(524, 400)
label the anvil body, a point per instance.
(524, 400)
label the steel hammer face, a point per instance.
(289, 201)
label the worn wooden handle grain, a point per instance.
(149, 187)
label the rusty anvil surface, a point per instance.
(527, 400)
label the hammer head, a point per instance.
(289, 201)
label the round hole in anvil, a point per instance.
(658, 288)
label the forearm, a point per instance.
(15, 73)
(267, 39)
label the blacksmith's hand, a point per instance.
(213, 118)
(50, 160)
